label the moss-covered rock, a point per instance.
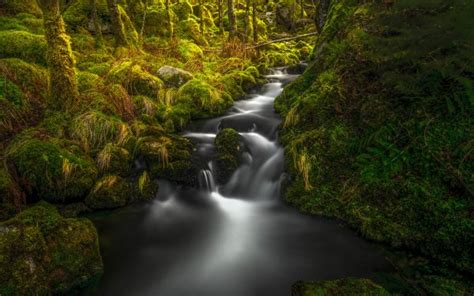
(135, 79)
(14, 7)
(23, 45)
(342, 287)
(174, 77)
(113, 159)
(145, 188)
(109, 192)
(207, 99)
(42, 253)
(49, 171)
(229, 148)
(183, 9)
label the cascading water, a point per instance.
(230, 239)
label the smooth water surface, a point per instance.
(236, 239)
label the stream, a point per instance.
(234, 239)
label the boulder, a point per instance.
(174, 77)
(109, 192)
(42, 253)
(229, 148)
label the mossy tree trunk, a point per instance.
(117, 25)
(99, 39)
(231, 15)
(247, 16)
(63, 82)
(170, 21)
(201, 16)
(220, 13)
(322, 9)
(254, 21)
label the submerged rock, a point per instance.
(341, 287)
(229, 150)
(42, 253)
(174, 77)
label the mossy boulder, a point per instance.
(169, 158)
(23, 45)
(135, 79)
(42, 253)
(145, 187)
(229, 149)
(157, 23)
(14, 7)
(205, 98)
(113, 159)
(109, 192)
(47, 170)
(174, 77)
(342, 287)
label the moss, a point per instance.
(340, 287)
(189, 29)
(113, 159)
(188, 50)
(108, 193)
(361, 138)
(135, 79)
(183, 9)
(157, 21)
(63, 92)
(14, 7)
(23, 45)
(88, 81)
(145, 188)
(50, 172)
(45, 253)
(209, 100)
(95, 129)
(229, 148)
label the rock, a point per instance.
(229, 148)
(174, 77)
(108, 193)
(341, 287)
(296, 68)
(42, 253)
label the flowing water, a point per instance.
(235, 239)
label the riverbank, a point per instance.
(377, 133)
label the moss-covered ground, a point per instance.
(379, 133)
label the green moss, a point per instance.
(145, 188)
(183, 9)
(157, 21)
(51, 172)
(113, 159)
(108, 193)
(23, 45)
(14, 7)
(190, 29)
(188, 50)
(229, 148)
(353, 125)
(343, 287)
(205, 97)
(135, 79)
(45, 253)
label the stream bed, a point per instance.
(234, 239)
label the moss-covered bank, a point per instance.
(378, 132)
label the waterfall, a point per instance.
(206, 180)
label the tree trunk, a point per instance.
(246, 22)
(168, 16)
(63, 82)
(322, 9)
(231, 14)
(254, 21)
(142, 29)
(117, 24)
(201, 17)
(99, 39)
(221, 23)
